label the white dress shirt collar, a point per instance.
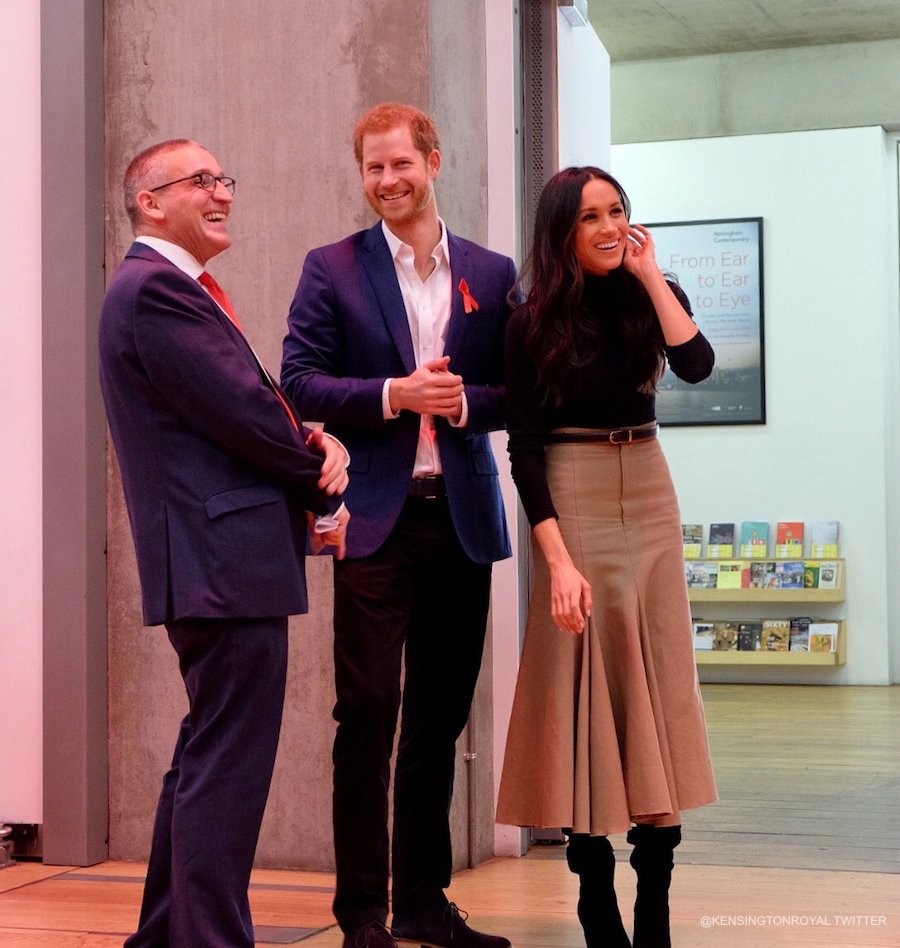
(173, 253)
(395, 244)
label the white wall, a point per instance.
(583, 75)
(20, 396)
(583, 138)
(892, 429)
(829, 204)
(503, 237)
(845, 85)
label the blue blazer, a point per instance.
(216, 478)
(348, 332)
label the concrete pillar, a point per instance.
(73, 428)
(273, 90)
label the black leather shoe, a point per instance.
(444, 928)
(370, 935)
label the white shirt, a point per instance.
(427, 304)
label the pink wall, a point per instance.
(20, 404)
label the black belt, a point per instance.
(430, 487)
(605, 436)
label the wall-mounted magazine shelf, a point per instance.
(747, 573)
(731, 657)
(754, 583)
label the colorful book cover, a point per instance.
(823, 539)
(776, 635)
(789, 540)
(811, 575)
(721, 541)
(726, 636)
(704, 636)
(762, 575)
(790, 574)
(701, 574)
(829, 575)
(799, 640)
(749, 636)
(692, 537)
(730, 575)
(823, 636)
(754, 539)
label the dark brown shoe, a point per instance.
(370, 935)
(444, 928)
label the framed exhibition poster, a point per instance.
(719, 266)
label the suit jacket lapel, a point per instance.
(460, 269)
(379, 265)
(146, 252)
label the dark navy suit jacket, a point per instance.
(216, 478)
(348, 331)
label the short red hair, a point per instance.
(388, 115)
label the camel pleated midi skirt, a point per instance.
(607, 727)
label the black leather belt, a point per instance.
(430, 487)
(604, 436)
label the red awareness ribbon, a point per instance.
(469, 301)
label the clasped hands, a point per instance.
(336, 537)
(431, 390)
(333, 479)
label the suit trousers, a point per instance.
(419, 591)
(213, 797)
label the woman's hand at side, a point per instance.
(570, 592)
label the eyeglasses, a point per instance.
(203, 180)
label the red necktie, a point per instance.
(221, 297)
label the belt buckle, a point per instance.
(428, 487)
(614, 440)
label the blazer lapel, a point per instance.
(460, 269)
(377, 261)
(146, 252)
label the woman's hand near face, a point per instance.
(640, 254)
(640, 261)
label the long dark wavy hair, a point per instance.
(562, 335)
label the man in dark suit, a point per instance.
(395, 342)
(220, 481)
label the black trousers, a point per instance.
(214, 795)
(419, 591)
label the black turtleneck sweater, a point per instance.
(597, 394)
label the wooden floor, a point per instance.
(802, 850)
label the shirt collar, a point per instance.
(173, 253)
(396, 245)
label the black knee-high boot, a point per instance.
(592, 859)
(653, 862)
